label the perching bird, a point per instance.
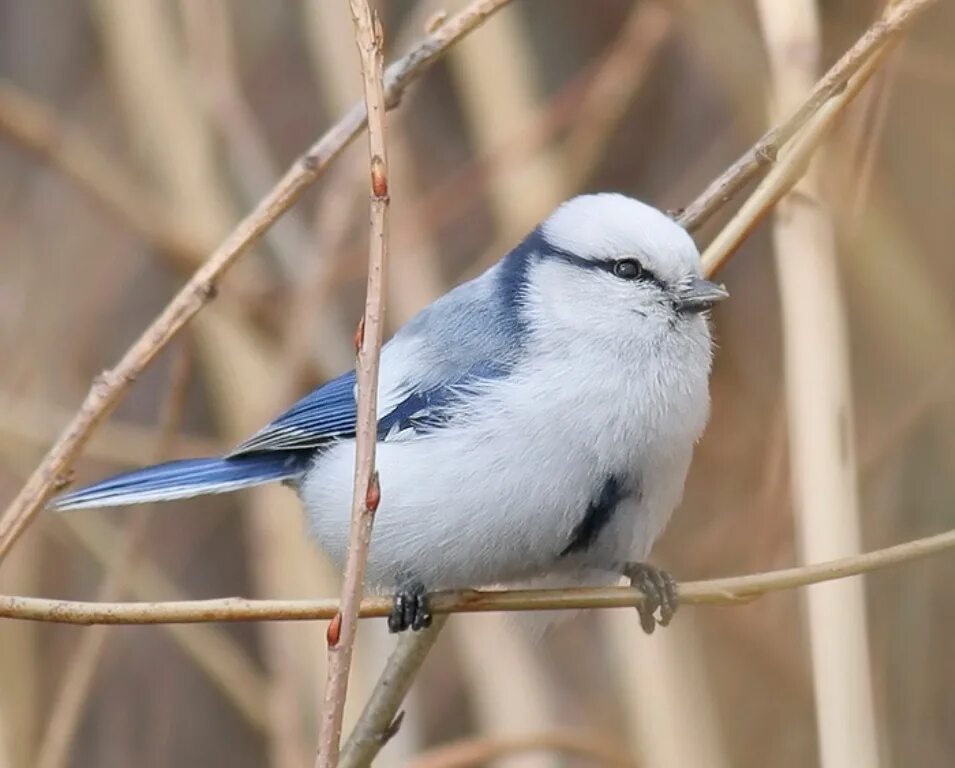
(537, 420)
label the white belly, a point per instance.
(497, 500)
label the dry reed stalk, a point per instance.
(603, 95)
(622, 71)
(508, 686)
(215, 78)
(283, 560)
(110, 386)
(216, 654)
(329, 38)
(141, 39)
(69, 702)
(35, 127)
(496, 83)
(21, 662)
(866, 140)
(487, 750)
(820, 414)
(239, 374)
(367, 489)
(665, 687)
(731, 590)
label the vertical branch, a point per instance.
(820, 414)
(367, 492)
(380, 719)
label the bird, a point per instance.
(537, 420)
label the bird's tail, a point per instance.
(186, 478)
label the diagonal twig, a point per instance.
(763, 153)
(109, 387)
(380, 720)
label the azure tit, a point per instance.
(536, 421)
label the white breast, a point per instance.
(496, 498)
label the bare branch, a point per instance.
(379, 719)
(727, 591)
(787, 171)
(883, 33)
(109, 387)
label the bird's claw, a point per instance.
(659, 590)
(411, 609)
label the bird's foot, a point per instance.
(411, 609)
(659, 590)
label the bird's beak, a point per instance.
(698, 296)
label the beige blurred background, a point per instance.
(175, 117)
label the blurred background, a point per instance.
(135, 133)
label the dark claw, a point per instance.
(660, 591)
(411, 609)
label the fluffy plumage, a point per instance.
(537, 420)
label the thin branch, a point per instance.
(366, 493)
(109, 387)
(486, 750)
(726, 591)
(379, 720)
(886, 30)
(787, 171)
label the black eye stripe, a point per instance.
(611, 266)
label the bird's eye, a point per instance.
(627, 269)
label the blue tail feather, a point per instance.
(185, 478)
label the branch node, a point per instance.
(207, 291)
(334, 631)
(392, 730)
(62, 480)
(378, 41)
(767, 154)
(312, 163)
(379, 180)
(435, 21)
(373, 494)
(359, 334)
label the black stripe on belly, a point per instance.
(599, 513)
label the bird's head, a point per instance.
(610, 267)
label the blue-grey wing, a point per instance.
(325, 414)
(430, 371)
